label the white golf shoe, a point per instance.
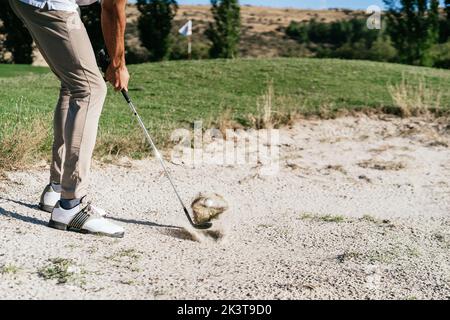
(49, 198)
(84, 218)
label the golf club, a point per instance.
(104, 61)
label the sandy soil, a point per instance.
(261, 19)
(359, 209)
(265, 19)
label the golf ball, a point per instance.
(209, 203)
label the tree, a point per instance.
(334, 34)
(17, 39)
(440, 53)
(382, 50)
(445, 23)
(413, 26)
(225, 32)
(155, 26)
(91, 17)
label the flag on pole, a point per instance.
(186, 30)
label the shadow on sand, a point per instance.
(169, 230)
(19, 216)
(172, 231)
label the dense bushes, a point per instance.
(440, 55)
(200, 50)
(334, 34)
(14, 38)
(346, 39)
(414, 32)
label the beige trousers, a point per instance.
(63, 41)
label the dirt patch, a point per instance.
(382, 165)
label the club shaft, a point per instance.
(157, 153)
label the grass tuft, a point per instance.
(332, 218)
(9, 269)
(414, 99)
(323, 218)
(23, 144)
(58, 269)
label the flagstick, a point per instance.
(190, 47)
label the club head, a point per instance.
(203, 226)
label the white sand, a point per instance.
(276, 244)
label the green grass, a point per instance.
(332, 218)
(57, 269)
(323, 218)
(175, 94)
(9, 269)
(125, 254)
(20, 70)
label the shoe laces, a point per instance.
(95, 211)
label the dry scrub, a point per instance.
(415, 99)
(272, 112)
(22, 146)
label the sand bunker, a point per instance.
(341, 219)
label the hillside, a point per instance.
(262, 27)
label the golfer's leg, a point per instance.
(87, 96)
(85, 106)
(59, 123)
(64, 40)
